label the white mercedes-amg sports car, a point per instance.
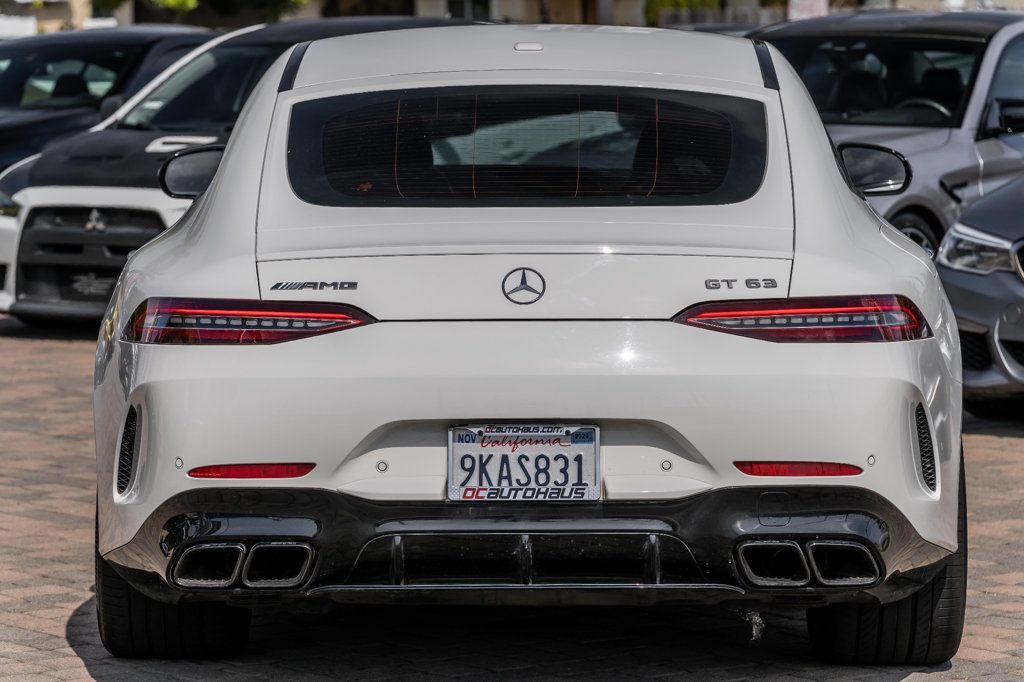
(505, 314)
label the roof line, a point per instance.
(291, 69)
(764, 60)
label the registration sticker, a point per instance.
(523, 463)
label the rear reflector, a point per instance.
(252, 471)
(217, 321)
(797, 469)
(848, 319)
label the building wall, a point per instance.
(624, 12)
(51, 16)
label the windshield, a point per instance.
(61, 77)
(527, 146)
(885, 81)
(207, 93)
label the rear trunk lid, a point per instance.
(578, 270)
(615, 202)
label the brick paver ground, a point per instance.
(47, 620)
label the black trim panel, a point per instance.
(679, 549)
(291, 69)
(764, 60)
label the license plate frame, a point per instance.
(511, 441)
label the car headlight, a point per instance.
(8, 206)
(12, 180)
(964, 248)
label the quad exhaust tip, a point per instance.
(265, 565)
(841, 563)
(831, 563)
(210, 565)
(774, 563)
(277, 564)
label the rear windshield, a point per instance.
(527, 146)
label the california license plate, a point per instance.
(523, 463)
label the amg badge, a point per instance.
(319, 286)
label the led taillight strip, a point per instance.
(218, 321)
(838, 319)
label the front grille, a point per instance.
(76, 253)
(924, 446)
(1015, 349)
(974, 351)
(3, 275)
(126, 455)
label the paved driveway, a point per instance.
(47, 622)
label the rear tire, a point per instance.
(922, 629)
(1006, 409)
(134, 626)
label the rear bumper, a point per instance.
(676, 407)
(78, 311)
(528, 554)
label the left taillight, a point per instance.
(225, 322)
(847, 319)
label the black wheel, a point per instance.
(134, 626)
(1005, 409)
(922, 629)
(919, 230)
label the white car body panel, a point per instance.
(453, 350)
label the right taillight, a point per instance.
(219, 321)
(846, 319)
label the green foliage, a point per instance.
(177, 6)
(655, 6)
(268, 10)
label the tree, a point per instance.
(179, 7)
(270, 10)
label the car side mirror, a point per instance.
(110, 104)
(875, 171)
(189, 172)
(1005, 116)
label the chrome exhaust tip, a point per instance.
(773, 563)
(842, 563)
(210, 565)
(277, 565)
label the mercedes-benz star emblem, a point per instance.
(523, 286)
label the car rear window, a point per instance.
(527, 146)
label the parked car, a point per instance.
(981, 263)
(946, 89)
(62, 83)
(405, 347)
(70, 216)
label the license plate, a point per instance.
(523, 463)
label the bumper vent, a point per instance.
(3, 275)
(974, 350)
(1015, 349)
(126, 456)
(924, 444)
